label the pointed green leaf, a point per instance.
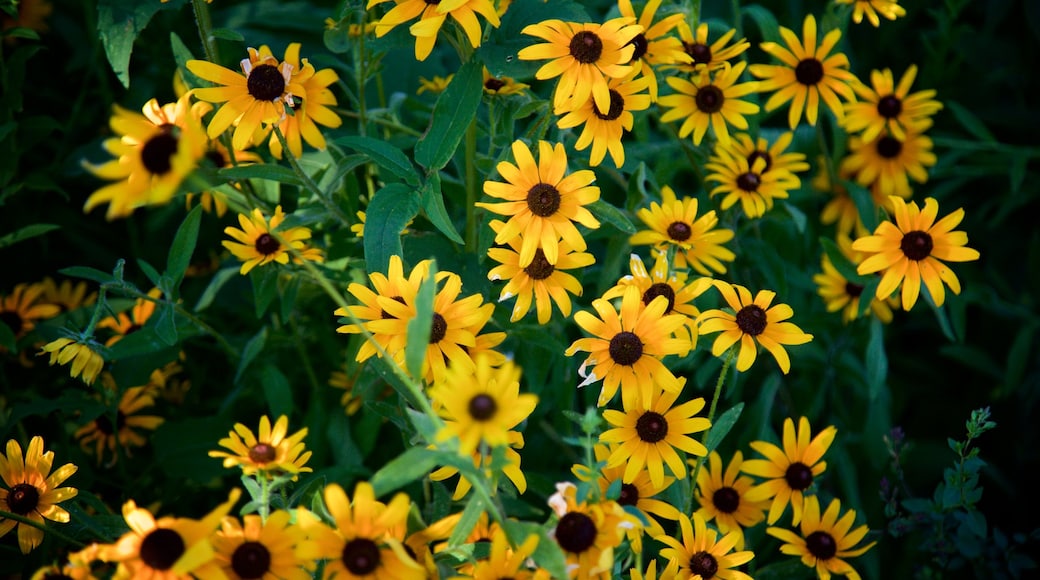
(864, 200)
(276, 390)
(251, 350)
(456, 108)
(611, 215)
(215, 284)
(166, 323)
(419, 328)
(119, 23)
(385, 155)
(407, 467)
(433, 205)
(876, 359)
(183, 246)
(547, 554)
(722, 426)
(970, 122)
(390, 210)
(24, 233)
(470, 516)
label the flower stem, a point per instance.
(5, 515)
(205, 26)
(99, 305)
(730, 354)
(308, 183)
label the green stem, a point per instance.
(308, 183)
(738, 21)
(5, 515)
(730, 354)
(99, 306)
(205, 26)
(383, 122)
(471, 186)
(264, 505)
(693, 8)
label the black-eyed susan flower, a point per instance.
(167, 548)
(256, 245)
(271, 549)
(84, 354)
(269, 452)
(103, 434)
(674, 224)
(588, 531)
(584, 56)
(887, 164)
(122, 324)
(844, 295)
(482, 404)
(669, 572)
(67, 295)
(626, 347)
(701, 553)
(874, 10)
(777, 159)
(840, 210)
(753, 322)
(790, 470)
(911, 251)
(703, 54)
(505, 561)
(749, 183)
(648, 434)
(709, 99)
(393, 285)
(431, 17)
(809, 74)
(24, 306)
(32, 490)
(825, 540)
(654, 46)
(604, 128)
(722, 497)
(502, 86)
(542, 200)
(253, 99)
(511, 468)
(539, 283)
(661, 281)
(310, 108)
(886, 107)
(435, 86)
(152, 154)
(366, 540)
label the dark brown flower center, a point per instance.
(798, 476)
(660, 289)
(23, 498)
(809, 71)
(539, 268)
(629, 494)
(575, 532)
(749, 181)
(493, 84)
(751, 320)
(853, 290)
(386, 315)
(709, 99)
(438, 329)
(361, 556)
(704, 565)
(889, 107)
(726, 500)
(217, 158)
(265, 83)
(161, 548)
(104, 424)
(482, 407)
(13, 320)
(543, 200)
(889, 147)
(679, 231)
(641, 46)
(700, 53)
(625, 348)
(158, 150)
(651, 427)
(262, 453)
(756, 155)
(586, 47)
(266, 244)
(617, 106)
(917, 245)
(821, 545)
(251, 560)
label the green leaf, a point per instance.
(433, 205)
(182, 54)
(88, 273)
(26, 232)
(864, 200)
(470, 516)
(166, 324)
(876, 359)
(722, 426)
(971, 123)
(119, 23)
(227, 34)
(764, 20)
(499, 53)
(547, 555)
(265, 287)
(390, 210)
(419, 328)
(250, 352)
(261, 171)
(611, 215)
(215, 284)
(407, 467)
(841, 262)
(455, 110)
(149, 270)
(7, 339)
(276, 390)
(385, 155)
(183, 247)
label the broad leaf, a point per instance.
(119, 23)
(390, 210)
(455, 110)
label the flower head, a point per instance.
(105, 434)
(123, 324)
(84, 355)
(722, 496)
(32, 490)
(502, 86)
(701, 553)
(705, 54)
(826, 540)
(874, 10)
(674, 223)
(267, 550)
(310, 108)
(256, 243)
(431, 17)
(709, 98)
(911, 250)
(890, 108)
(841, 294)
(270, 453)
(654, 46)
(588, 532)
(886, 164)
(604, 128)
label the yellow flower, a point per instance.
(704, 55)
(314, 109)
(709, 98)
(841, 294)
(105, 434)
(674, 223)
(256, 246)
(84, 354)
(887, 164)
(32, 491)
(654, 46)
(588, 532)
(890, 108)
(825, 540)
(604, 128)
(270, 453)
(722, 496)
(122, 324)
(911, 251)
(752, 323)
(873, 9)
(502, 86)
(701, 553)
(254, 548)
(747, 180)
(431, 17)
(67, 295)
